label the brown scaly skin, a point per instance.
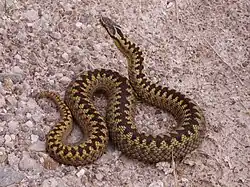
(120, 113)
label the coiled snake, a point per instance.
(119, 125)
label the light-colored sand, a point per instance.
(198, 47)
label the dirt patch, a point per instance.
(200, 48)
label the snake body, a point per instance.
(119, 124)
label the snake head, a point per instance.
(127, 48)
(111, 27)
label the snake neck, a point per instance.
(135, 62)
(130, 51)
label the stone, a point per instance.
(38, 146)
(65, 80)
(8, 176)
(156, 184)
(65, 56)
(2, 101)
(32, 104)
(29, 124)
(34, 138)
(99, 176)
(28, 164)
(31, 15)
(78, 24)
(13, 126)
(56, 35)
(80, 173)
(3, 155)
(11, 100)
(8, 140)
(17, 70)
(51, 182)
(13, 159)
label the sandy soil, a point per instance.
(199, 47)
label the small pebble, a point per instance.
(18, 57)
(3, 155)
(51, 182)
(49, 163)
(8, 176)
(32, 104)
(98, 47)
(2, 125)
(99, 176)
(2, 31)
(11, 100)
(190, 162)
(80, 173)
(67, 7)
(7, 139)
(13, 78)
(17, 70)
(34, 138)
(38, 146)
(13, 159)
(2, 101)
(2, 140)
(8, 81)
(78, 24)
(29, 124)
(65, 80)
(13, 126)
(165, 167)
(31, 15)
(56, 35)
(28, 163)
(184, 180)
(58, 75)
(13, 137)
(37, 117)
(156, 184)
(51, 81)
(65, 56)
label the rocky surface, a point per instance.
(198, 47)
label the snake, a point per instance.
(118, 124)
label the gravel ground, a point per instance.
(199, 47)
